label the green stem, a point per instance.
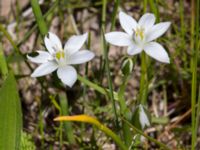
(101, 90)
(154, 7)
(125, 112)
(197, 112)
(192, 22)
(3, 64)
(111, 95)
(145, 5)
(114, 14)
(92, 85)
(105, 52)
(143, 81)
(194, 76)
(39, 18)
(60, 131)
(65, 111)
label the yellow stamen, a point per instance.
(60, 54)
(140, 32)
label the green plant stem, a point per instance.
(193, 99)
(92, 85)
(154, 7)
(145, 6)
(111, 95)
(124, 111)
(60, 131)
(143, 81)
(194, 75)
(65, 111)
(39, 18)
(3, 64)
(192, 22)
(114, 14)
(105, 52)
(163, 146)
(197, 113)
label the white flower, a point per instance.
(138, 36)
(144, 120)
(57, 58)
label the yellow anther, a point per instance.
(140, 32)
(60, 54)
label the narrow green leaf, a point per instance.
(10, 115)
(38, 16)
(65, 111)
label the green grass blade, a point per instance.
(65, 111)
(39, 18)
(194, 61)
(10, 115)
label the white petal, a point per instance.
(157, 31)
(81, 57)
(156, 51)
(118, 38)
(44, 69)
(147, 21)
(134, 49)
(52, 42)
(144, 121)
(42, 57)
(68, 75)
(75, 43)
(127, 23)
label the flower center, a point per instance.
(139, 35)
(139, 32)
(60, 55)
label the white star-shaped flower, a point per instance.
(57, 58)
(139, 36)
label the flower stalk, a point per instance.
(105, 54)
(143, 81)
(194, 60)
(65, 111)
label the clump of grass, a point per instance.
(27, 142)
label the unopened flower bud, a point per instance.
(141, 117)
